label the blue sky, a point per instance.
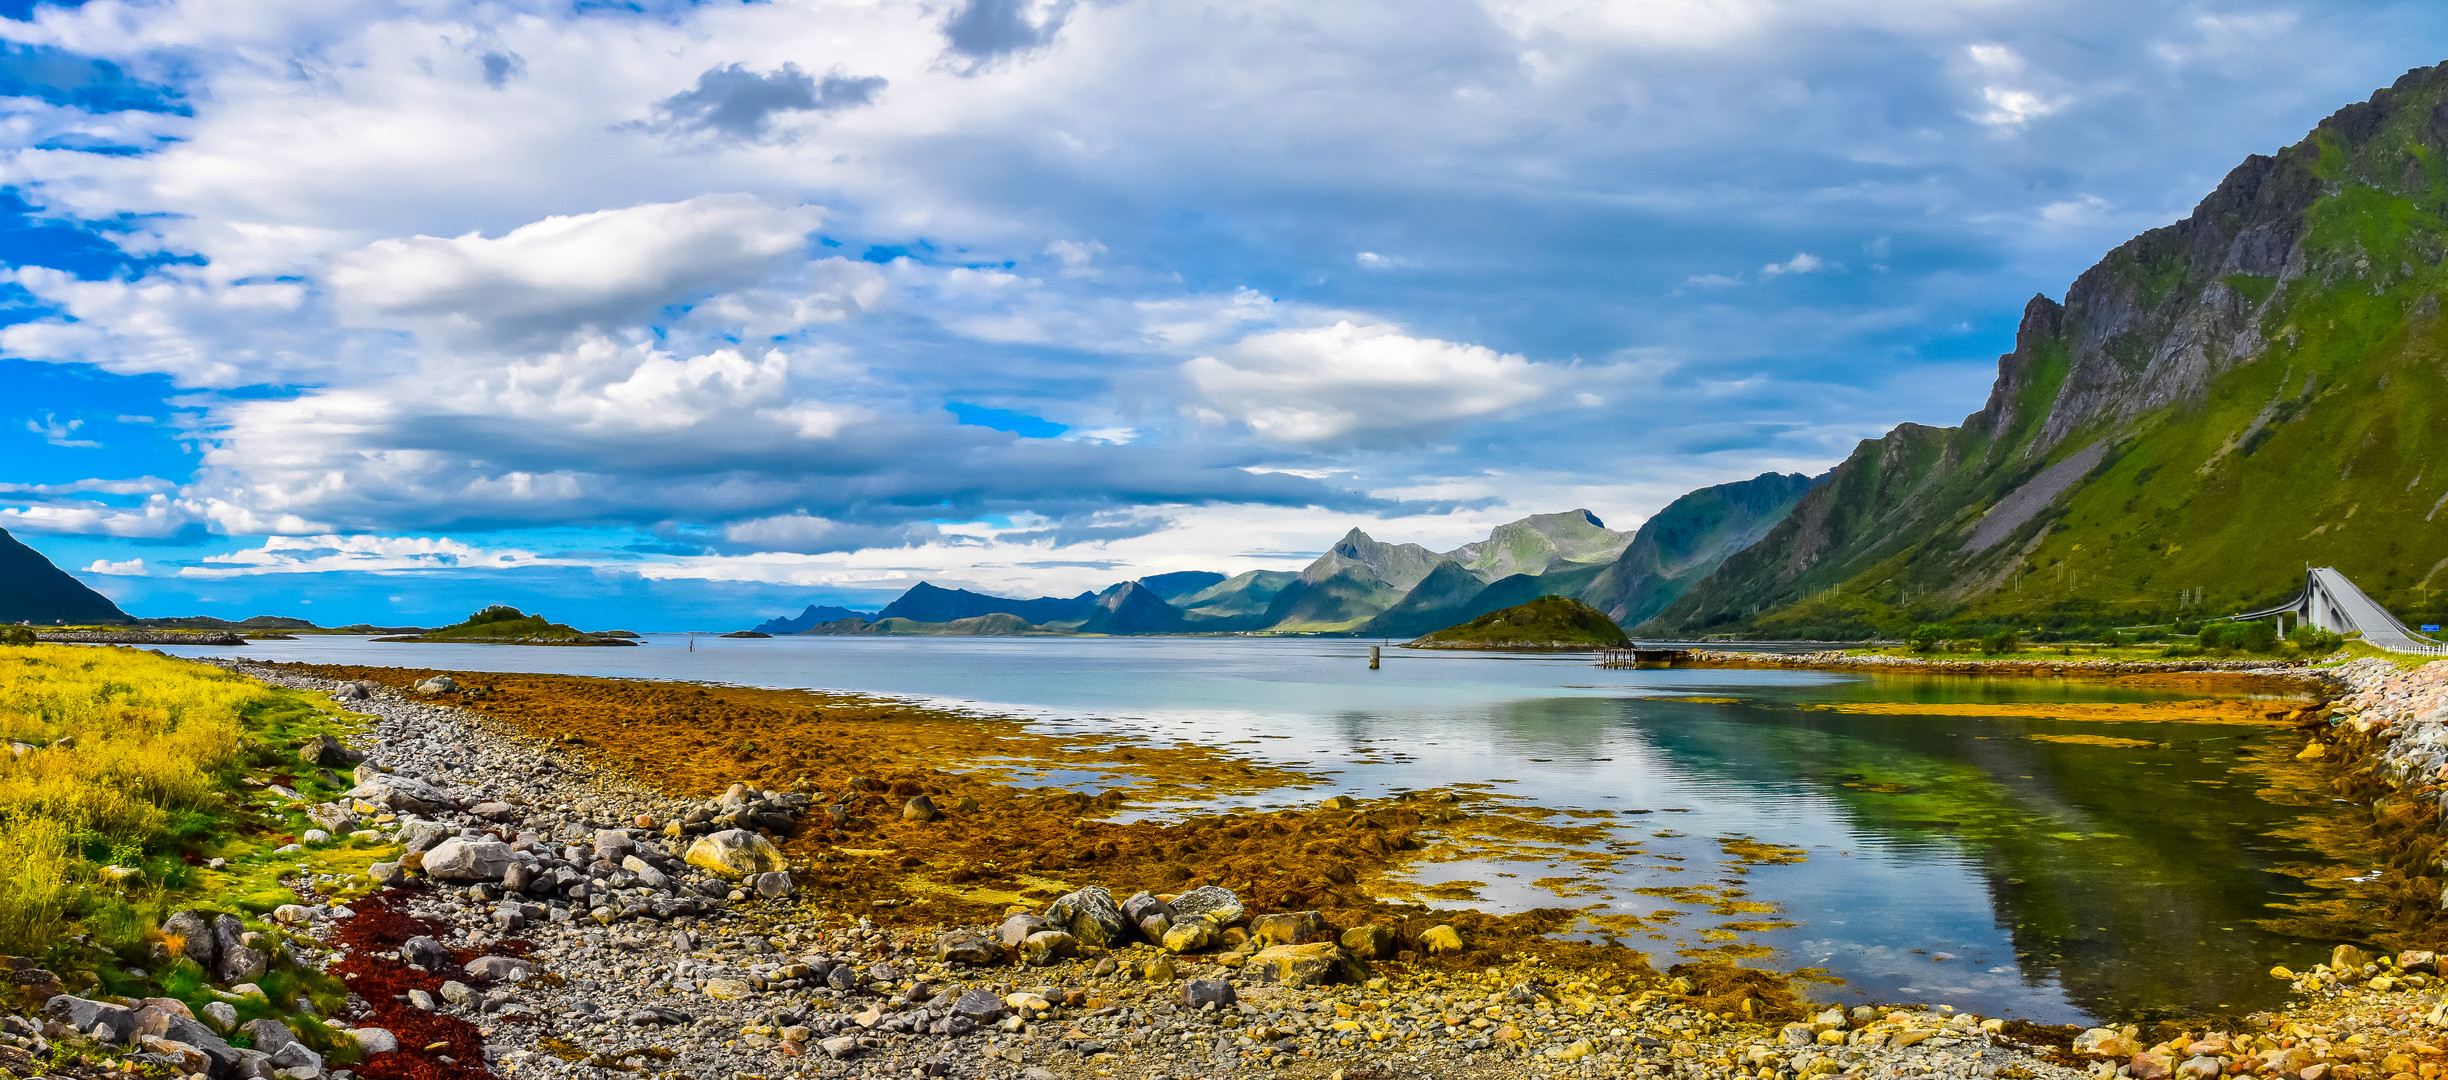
(670, 316)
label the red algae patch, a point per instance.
(374, 972)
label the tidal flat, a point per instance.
(2051, 849)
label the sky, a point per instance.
(668, 316)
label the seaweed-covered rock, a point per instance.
(735, 854)
(1216, 905)
(1304, 965)
(1090, 916)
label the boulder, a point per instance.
(1441, 938)
(2421, 961)
(418, 837)
(1369, 942)
(268, 1035)
(424, 953)
(333, 817)
(239, 961)
(646, 873)
(1304, 965)
(1198, 993)
(297, 1056)
(82, 1014)
(460, 859)
(1046, 947)
(1190, 935)
(613, 845)
(982, 1007)
(735, 854)
(920, 808)
(502, 968)
(2346, 960)
(324, 751)
(967, 947)
(1090, 916)
(221, 1015)
(775, 885)
(2104, 1043)
(1291, 928)
(1018, 928)
(1216, 905)
(439, 684)
(372, 1041)
(190, 934)
(386, 873)
(404, 795)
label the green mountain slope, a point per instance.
(1536, 544)
(2217, 403)
(1133, 608)
(1543, 622)
(32, 590)
(1685, 541)
(1424, 610)
(1246, 593)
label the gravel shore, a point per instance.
(547, 918)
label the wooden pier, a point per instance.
(1643, 657)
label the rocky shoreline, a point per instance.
(550, 918)
(1839, 660)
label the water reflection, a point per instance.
(2060, 870)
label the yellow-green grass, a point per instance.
(144, 769)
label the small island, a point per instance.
(502, 624)
(1549, 622)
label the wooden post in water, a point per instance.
(1372, 658)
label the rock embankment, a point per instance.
(2003, 665)
(145, 637)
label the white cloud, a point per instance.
(126, 568)
(1361, 384)
(1712, 281)
(1803, 262)
(143, 485)
(2087, 210)
(361, 554)
(609, 269)
(2013, 93)
(57, 432)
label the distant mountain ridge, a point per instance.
(1362, 585)
(813, 616)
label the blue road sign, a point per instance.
(2430, 628)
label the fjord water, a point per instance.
(1983, 862)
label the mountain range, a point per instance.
(1367, 587)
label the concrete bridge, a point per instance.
(2330, 602)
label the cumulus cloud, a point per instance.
(1803, 262)
(607, 269)
(983, 31)
(1360, 384)
(123, 568)
(361, 554)
(734, 101)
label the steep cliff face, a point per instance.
(2216, 403)
(32, 590)
(1684, 542)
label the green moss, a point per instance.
(2252, 287)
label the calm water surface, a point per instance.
(1952, 860)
